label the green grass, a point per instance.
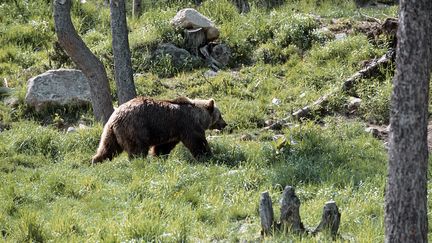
(50, 192)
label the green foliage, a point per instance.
(375, 106)
(219, 11)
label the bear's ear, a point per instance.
(210, 106)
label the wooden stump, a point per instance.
(266, 213)
(290, 211)
(290, 220)
(330, 219)
(194, 39)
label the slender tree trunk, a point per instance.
(122, 56)
(137, 8)
(406, 191)
(81, 55)
(241, 5)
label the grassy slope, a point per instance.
(49, 192)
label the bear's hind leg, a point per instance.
(163, 149)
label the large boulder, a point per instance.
(189, 18)
(58, 87)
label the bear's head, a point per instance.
(216, 121)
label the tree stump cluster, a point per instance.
(290, 221)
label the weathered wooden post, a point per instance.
(290, 212)
(330, 219)
(290, 220)
(194, 39)
(266, 213)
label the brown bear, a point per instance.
(159, 125)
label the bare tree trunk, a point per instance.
(241, 5)
(406, 191)
(81, 55)
(122, 57)
(137, 8)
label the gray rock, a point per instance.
(71, 130)
(58, 87)
(12, 101)
(189, 18)
(222, 54)
(179, 57)
(354, 103)
(340, 36)
(210, 74)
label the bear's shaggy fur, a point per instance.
(159, 125)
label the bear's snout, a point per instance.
(220, 125)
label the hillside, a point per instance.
(283, 59)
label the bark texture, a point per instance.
(122, 57)
(406, 191)
(81, 55)
(137, 8)
(266, 213)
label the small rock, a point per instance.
(11, 101)
(71, 130)
(246, 137)
(210, 74)
(268, 123)
(372, 131)
(354, 103)
(82, 126)
(276, 101)
(340, 36)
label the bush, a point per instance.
(270, 53)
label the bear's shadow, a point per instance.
(222, 154)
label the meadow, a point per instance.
(50, 191)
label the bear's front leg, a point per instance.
(197, 145)
(137, 152)
(163, 149)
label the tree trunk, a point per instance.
(122, 57)
(406, 191)
(241, 5)
(136, 8)
(81, 55)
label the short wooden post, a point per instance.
(290, 211)
(330, 219)
(266, 213)
(194, 39)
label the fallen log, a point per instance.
(369, 71)
(319, 105)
